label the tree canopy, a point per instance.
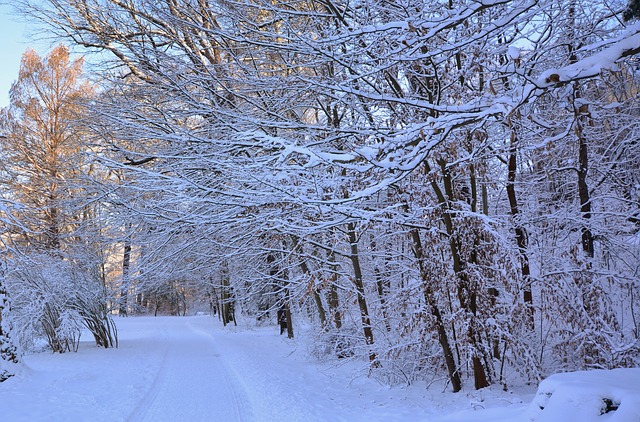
(443, 187)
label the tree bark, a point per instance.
(126, 266)
(287, 309)
(443, 339)
(581, 112)
(227, 311)
(358, 282)
(583, 190)
(382, 284)
(467, 294)
(333, 300)
(314, 291)
(519, 230)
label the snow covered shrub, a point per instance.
(63, 334)
(89, 300)
(588, 309)
(54, 298)
(40, 294)
(584, 329)
(96, 318)
(335, 344)
(414, 354)
(8, 349)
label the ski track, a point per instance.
(242, 405)
(192, 380)
(141, 410)
(189, 369)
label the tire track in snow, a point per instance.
(241, 403)
(140, 411)
(192, 382)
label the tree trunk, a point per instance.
(333, 299)
(443, 339)
(519, 230)
(305, 270)
(583, 188)
(287, 309)
(358, 282)
(467, 294)
(227, 311)
(581, 113)
(382, 284)
(126, 265)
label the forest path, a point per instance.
(170, 369)
(192, 380)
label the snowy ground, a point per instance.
(192, 369)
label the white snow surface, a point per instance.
(584, 396)
(193, 369)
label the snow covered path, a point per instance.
(193, 379)
(192, 369)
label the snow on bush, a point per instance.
(8, 350)
(53, 298)
(598, 395)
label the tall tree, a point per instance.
(306, 117)
(47, 171)
(43, 147)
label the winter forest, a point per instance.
(443, 189)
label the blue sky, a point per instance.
(14, 40)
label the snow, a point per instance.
(191, 368)
(514, 53)
(626, 44)
(584, 396)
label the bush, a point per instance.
(54, 297)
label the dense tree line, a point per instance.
(445, 189)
